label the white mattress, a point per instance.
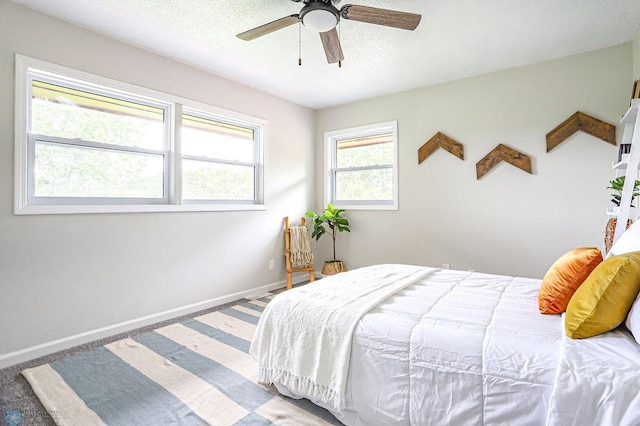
(456, 348)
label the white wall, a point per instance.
(636, 55)
(509, 222)
(68, 274)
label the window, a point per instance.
(88, 144)
(220, 160)
(361, 167)
(94, 145)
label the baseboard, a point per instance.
(33, 352)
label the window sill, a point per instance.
(143, 208)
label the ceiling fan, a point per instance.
(323, 16)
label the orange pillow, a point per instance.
(564, 277)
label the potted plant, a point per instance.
(616, 185)
(332, 218)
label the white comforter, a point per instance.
(598, 382)
(461, 348)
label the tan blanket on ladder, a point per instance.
(300, 246)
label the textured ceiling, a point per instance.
(456, 39)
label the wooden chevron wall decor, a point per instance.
(440, 140)
(586, 123)
(503, 153)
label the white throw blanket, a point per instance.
(303, 339)
(300, 246)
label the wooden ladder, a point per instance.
(287, 253)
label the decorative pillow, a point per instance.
(564, 277)
(603, 301)
(633, 320)
(629, 241)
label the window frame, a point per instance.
(331, 140)
(24, 202)
(257, 154)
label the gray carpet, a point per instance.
(16, 393)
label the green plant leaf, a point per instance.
(617, 185)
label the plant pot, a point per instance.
(332, 267)
(610, 230)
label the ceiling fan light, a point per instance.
(320, 20)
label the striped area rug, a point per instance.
(198, 372)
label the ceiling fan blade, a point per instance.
(331, 44)
(265, 29)
(386, 17)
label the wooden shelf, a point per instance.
(581, 122)
(503, 153)
(440, 140)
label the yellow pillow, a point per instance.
(603, 301)
(564, 277)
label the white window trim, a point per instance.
(330, 140)
(22, 94)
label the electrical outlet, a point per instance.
(446, 266)
(272, 265)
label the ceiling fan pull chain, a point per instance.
(300, 44)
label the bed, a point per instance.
(443, 347)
